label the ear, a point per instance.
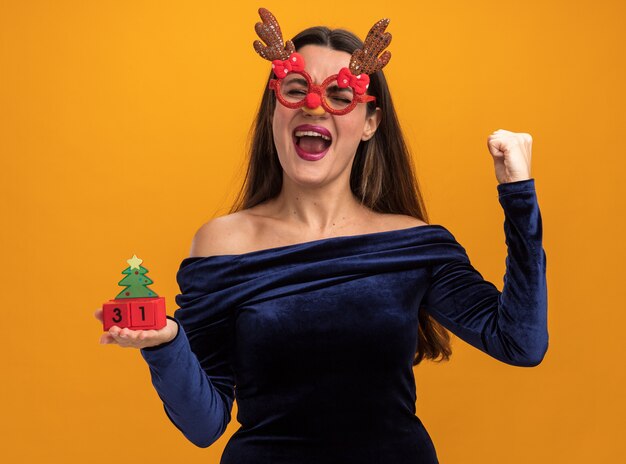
(371, 124)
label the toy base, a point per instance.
(134, 313)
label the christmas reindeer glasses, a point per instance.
(337, 94)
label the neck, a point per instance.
(318, 211)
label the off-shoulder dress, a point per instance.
(316, 340)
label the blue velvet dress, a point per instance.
(316, 340)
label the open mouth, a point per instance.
(312, 142)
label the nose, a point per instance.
(313, 105)
(315, 111)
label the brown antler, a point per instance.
(366, 60)
(269, 32)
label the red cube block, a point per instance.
(135, 313)
(116, 312)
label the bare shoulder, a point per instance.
(222, 235)
(251, 229)
(399, 221)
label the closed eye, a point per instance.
(296, 92)
(336, 93)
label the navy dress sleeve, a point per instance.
(192, 373)
(511, 325)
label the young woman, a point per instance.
(312, 301)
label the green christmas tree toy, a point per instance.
(137, 306)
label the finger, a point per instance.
(151, 333)
(121, 338)
(144, 335)
(125, 337)
(500, 135)
(148, 337)
(528, 138)
(114, 335)
(132, 338)
(106, 339)
(129, 334)
(98, 314)
(494, 138)
(496, 142)
(114, 332)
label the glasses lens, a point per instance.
(294, 87)
(338, 98)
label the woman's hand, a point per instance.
(511, 153)
(127, 338)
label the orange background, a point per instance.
(122, 130)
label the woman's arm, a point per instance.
(511, 325)
(192, 373)
(198, 401)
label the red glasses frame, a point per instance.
(319, 90)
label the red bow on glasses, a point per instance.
(295, 62)
(358, 83)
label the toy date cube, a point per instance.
(134, 313)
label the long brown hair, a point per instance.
(382, 175)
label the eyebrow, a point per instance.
(298, 81)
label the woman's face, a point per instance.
(302, 155)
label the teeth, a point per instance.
(312, 134)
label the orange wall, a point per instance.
(118, 136)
